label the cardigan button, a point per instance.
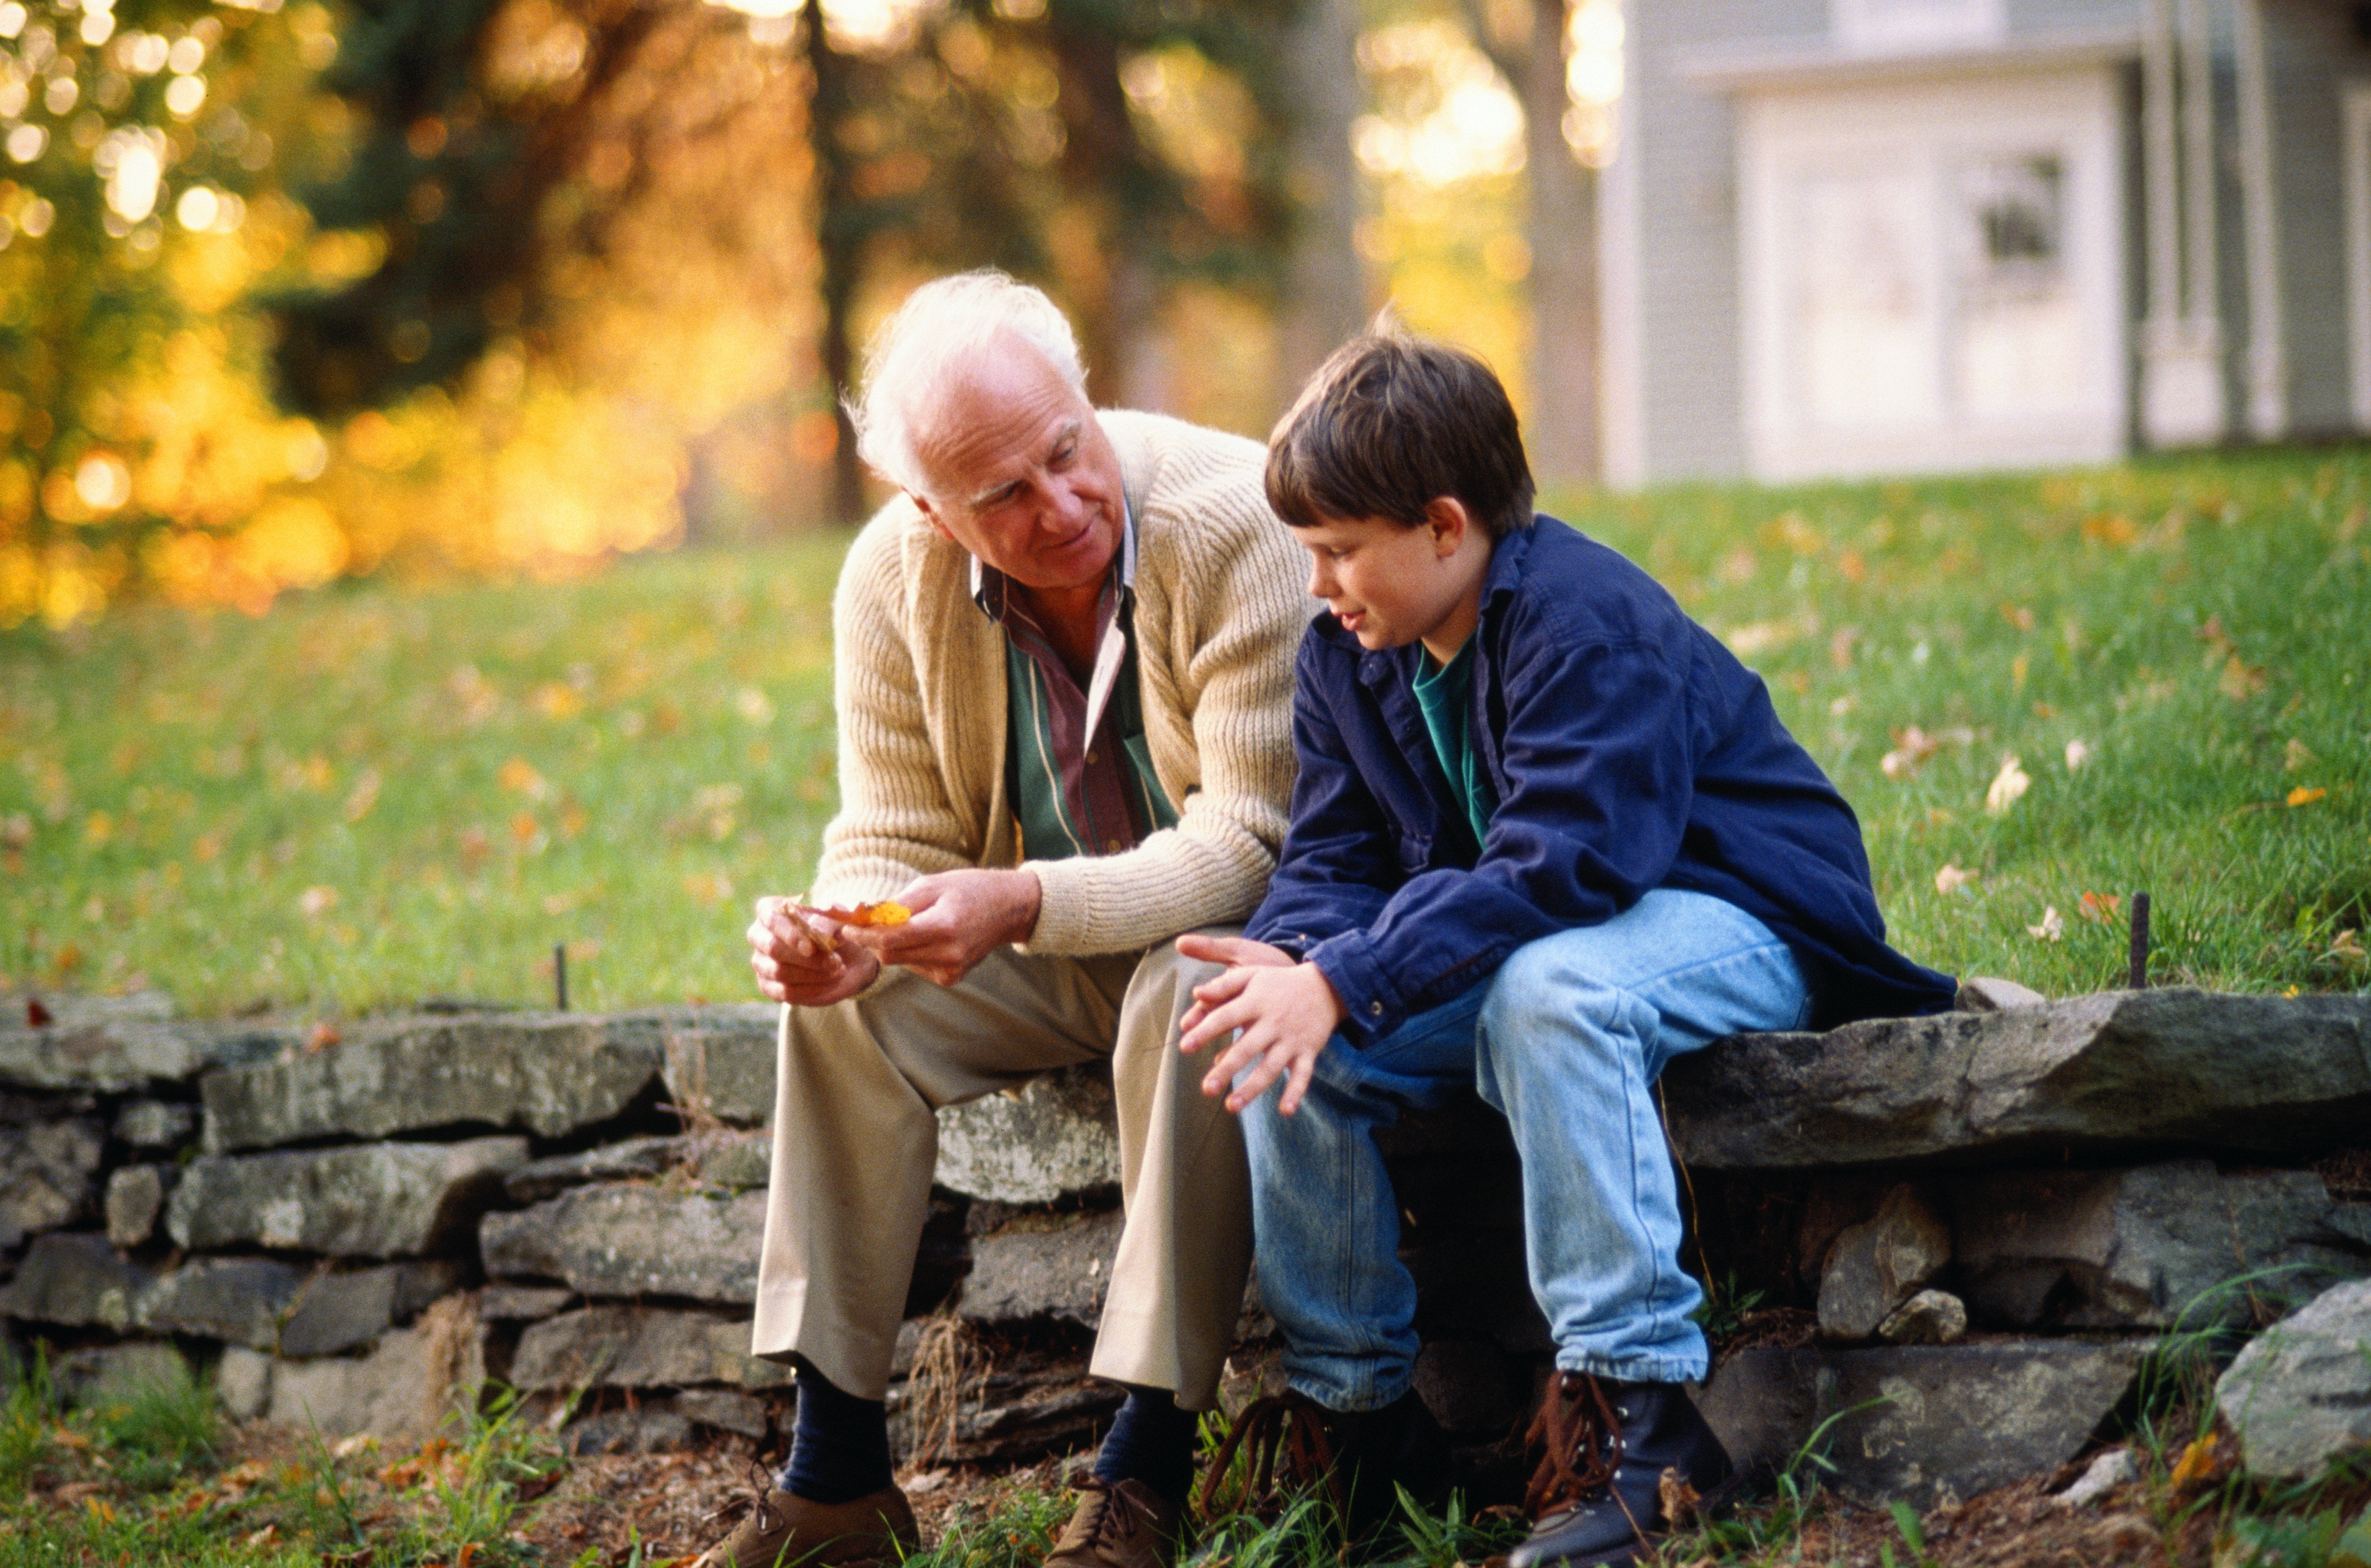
(1376, 1009)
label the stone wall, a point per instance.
(1961, 1237)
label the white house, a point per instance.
(1851, 236)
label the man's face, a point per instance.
(1020, 473)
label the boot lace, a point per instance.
(1108, 1518)
(1580, 1436)
(1286, 1450)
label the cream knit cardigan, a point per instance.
(920, 682)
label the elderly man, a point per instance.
(1064, 665)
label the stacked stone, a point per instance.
(1967, 1236)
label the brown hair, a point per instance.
(1390, 423)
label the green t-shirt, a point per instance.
(1445, 694)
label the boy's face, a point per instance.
(1390, 584)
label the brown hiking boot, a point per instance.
(1118, 1524)
(782, 1529)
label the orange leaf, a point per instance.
(2196, 1464)
(2302, 796)
(2100, 907)
(886, 912)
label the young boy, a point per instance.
(1548, 834)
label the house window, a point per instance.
(1881, 26)
(2017, 338)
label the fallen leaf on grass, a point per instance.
(2008, 785)
(2100, 907)
(2241, 680)
(2347, 947)
(519, 777)
(324, 1036)
(1680, 1500)
(316, 902)
(2078, 754)
(1913, 745)
(363, 796)
(2302, 796)
(2053, 927)
(2201, 1462)
(1951, 878)
(2293, 756)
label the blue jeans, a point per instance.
(1566, 1040)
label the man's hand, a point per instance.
(1281, 1013)
(959, 917)
(806, 959)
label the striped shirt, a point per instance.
(1076, 768)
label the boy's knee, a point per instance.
(1550, 985)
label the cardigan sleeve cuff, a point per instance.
(1372, 1007)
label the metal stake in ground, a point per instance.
(560, 975)
(2139, 977)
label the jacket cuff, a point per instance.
(1371, 1003)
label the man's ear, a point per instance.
(1449, 522)
(930, 514)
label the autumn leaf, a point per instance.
(2100, 907)
(2078, 754)
(2008, 785)
(316, 902)
(754, 706)
(2017, 616)
(2241, 680)
(2198, 1464)
(2347, 947)
(363, 796)
(2293, 756)
(557, 699)
(1951, 878)
(324, 1036)
(2053, 926)
(886, 912)
(519, 777)
(1680, 1500)
(1913, 745)
(2303, 796)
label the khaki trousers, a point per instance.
(856, 1139)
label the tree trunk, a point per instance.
(1116, 310)
(1325, 286)
(1561, 227)
(840, 239)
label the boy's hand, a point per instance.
(1281, 1013)
(1236, 952)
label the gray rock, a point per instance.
(239, 1300)
(1877, 1265)
(619, 1348)
(120, 1052)
(649, 1429)
(1915, 1423)
(1989, 993)
(1042, 1267)
(2299, 1395)
(1931, 1317)
(726, 1411)
(735, 1160)
(2123, 1070)
(549, 1075)
(408, 1384)
(75, 1279)
(243, 1382)
(633, 1240)
(521, 1303)
(156, 1123)
(721, 1064)
(373, 1200)
(611, 1162)
(1023, 1406)
(2117, 1467)
(337, 1312)
(728, 1347)
(135, 1196)
(48, 1173)
(1053, 1139)
(2149, 1247)
(118, 1374)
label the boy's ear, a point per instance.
(1449, 522)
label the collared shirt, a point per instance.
(1445, 693)
(1076, 768)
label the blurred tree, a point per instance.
(1325, 297)
(1525, 39)
(141, 142)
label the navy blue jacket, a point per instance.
(1629, 750)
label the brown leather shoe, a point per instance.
(1118, 1524)
(784, 1529)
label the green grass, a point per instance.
(379, 793)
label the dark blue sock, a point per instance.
(1153, 1441)
(839, 1449)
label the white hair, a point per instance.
(939, 325)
